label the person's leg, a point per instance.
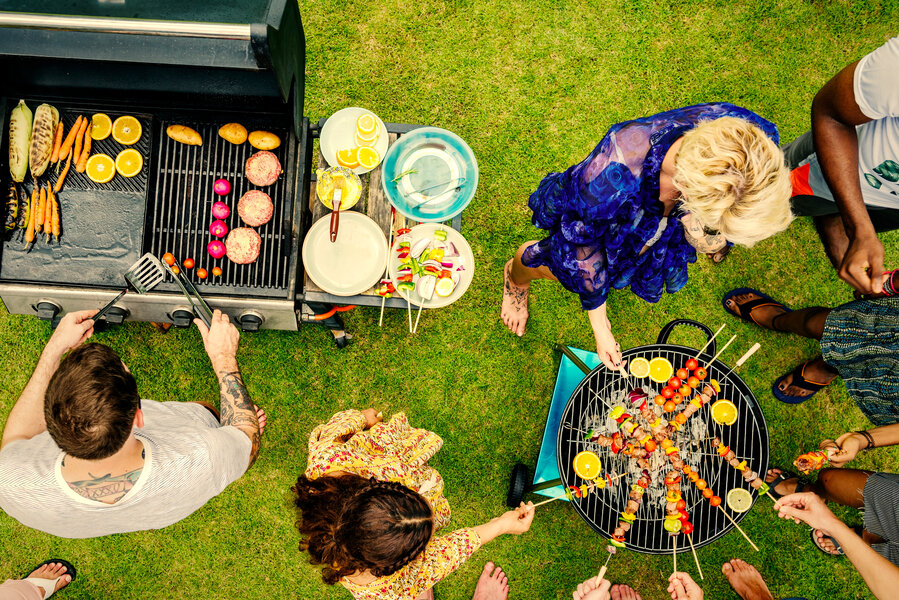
(807, 322)
(492, 584)
(53, 574)
(798, 150)
(19, 589)
(624, 592)
(517, 279)
(746, 580)
(833, 236)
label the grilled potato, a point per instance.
(184, 135)
(19, 141)
(234, 133)
(46, 118)
(264, 140)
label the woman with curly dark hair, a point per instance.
(369, 507)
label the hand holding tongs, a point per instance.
(196, 301)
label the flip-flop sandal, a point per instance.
(744, 311)
(718, 257)
(837, 547)
(49, 585)
(799, 381)
(801, 484)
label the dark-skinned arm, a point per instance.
(220, 340)
(835, 114)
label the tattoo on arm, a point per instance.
(237, 408)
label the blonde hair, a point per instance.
(733, 179)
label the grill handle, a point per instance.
(665, 333)
(573, 358)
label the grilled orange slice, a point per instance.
(129, 162)
(126, 130)
(100, 168)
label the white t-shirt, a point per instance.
(188, 459)
(876, 87)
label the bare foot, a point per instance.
(53, 571)
(746, 580)
(260, 416)
(492, 584)
(515, 302)
(764, 316)
(816, 371)
(624, 592)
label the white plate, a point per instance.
(426, 230)
(352, 264)
(339, 133)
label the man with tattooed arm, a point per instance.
(82, 455)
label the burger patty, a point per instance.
(243, 245)
(255, 208)
(263, 168)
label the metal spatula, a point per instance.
(143, 276)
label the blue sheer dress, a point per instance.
(601, 212)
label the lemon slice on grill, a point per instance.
(739, 500)
(126, 130)
(587, 465)
(660, 370)
(639, 367)
(724, 412)
(101, 126)
(100, 168)
(129, 162)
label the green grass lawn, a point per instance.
(531, 86)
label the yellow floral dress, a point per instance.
(393, 451)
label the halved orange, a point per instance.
(348, 158)
(660, 370)
(126, 130)
(100, 168)
(587, 465)
(101, 126)
(368, 157)
(129, 162)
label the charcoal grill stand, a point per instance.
(373, 203)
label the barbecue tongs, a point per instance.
(199, 306)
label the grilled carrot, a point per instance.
(82, 162)
(57, 143)
(48, 215)
(41, 210)
(66, 147)
(55, 219)
(79, 139)
(62, 177)
(29, 231)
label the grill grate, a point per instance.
(180, 210)
(589, 407)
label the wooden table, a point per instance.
(372, 203)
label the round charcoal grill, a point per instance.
(588, 409)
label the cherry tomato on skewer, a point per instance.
(681, 504)
(692, 363)
(687, 528)
(650, 445)
(674, 383)
(682, 373)
(715, 501)
(708, 492)
(700, 484)
(667, 392)
(694, 382)
(660, 400)
(700, 373)
(681, 418)
(677, 399)
(666, 443)
(670, 406)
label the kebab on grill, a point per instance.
(751, 477)
(629, 514)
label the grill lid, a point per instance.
(204, 53)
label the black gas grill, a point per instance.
(588, 409)
(164, 62)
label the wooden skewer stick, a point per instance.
(696, 558)
(387, 267)
(740, 529)
(548, 501)
(710, 341)
(602, 571)
(408, 309)
(744, 358)
(773, 499)
(720, 351)
(674, 542)
(420, 306)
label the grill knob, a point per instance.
(182, 317)
(47, 310)
(116, 315)
(250, 320)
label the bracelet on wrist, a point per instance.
(868, 437)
